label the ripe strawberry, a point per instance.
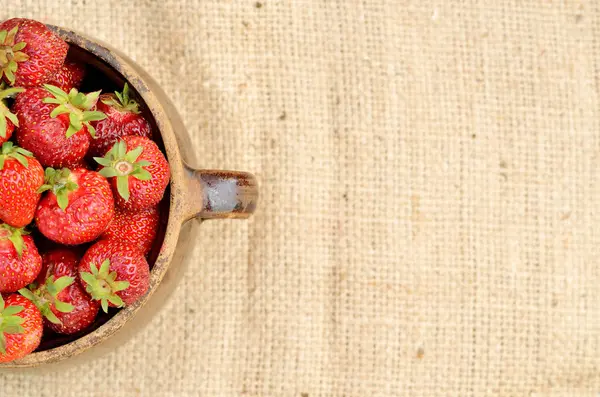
(20, 262)
(137, 171)
(116, 274)
(20, 177)
(55, 126)
(8, 120)
(137, 228)
(30, 54)
(78, 207)
(20, 327)
(123, 118)
(70, 75)
(63, 302)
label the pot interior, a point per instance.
(101, 76)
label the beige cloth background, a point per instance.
(428, 223)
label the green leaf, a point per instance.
(71, 131)
(63, 283)
(108, 172)
(3, 34)
(116, 300)
(142, 175)
(88, 278)
(1, 303)
(104, 268)
(120, 285)
(62, 199)
(52, 100)
(18, 46)
(10, 37)
(20, 158)
(104, 304)
(91, 130)
(3, 126)
(12, 310)
(103, 161)
(133, 155)
(93, 116)
(14, 329)
(51, 316)
(121, 149)
(27, 294)
(63, 307)
(13, 118)
(123, 187)
(57, 92)
(9, 75)
(17, 241)
(62, 109)
(143, 163)
(20, 57)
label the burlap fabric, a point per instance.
(428, 223)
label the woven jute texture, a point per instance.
(428, 223)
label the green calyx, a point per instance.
(77, 105)
(45, 295)
(5, 113)
(122, 101)
(121, 164)
(9, 150)
(10, 323)
(14, 235)
(10, 54)
(102, 285)
(60, 183)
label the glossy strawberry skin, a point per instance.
(70, 75)
(87, 216)
(18, 191)
(15, 272)
(62, 262)
(118, 124)
(45, 136)
(144, 194)
(126, 260)
(137, 228)
(20, 345)
(46, 51)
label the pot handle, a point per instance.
(218, 194)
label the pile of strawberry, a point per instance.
(81, 172)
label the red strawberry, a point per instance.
(116, 274)
(20, 327)
(63, 301)
(54, 125)
(20, 178)
(20, 262)
(123, 119)
(30, 54)
(138, 172)
(136, 228)
(78, 207)
(70, 75)
(8, 120)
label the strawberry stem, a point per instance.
(77, 105)
(14, 235)
(61, 183)
(9, 150)
(102, 285)
(5, 113)
(10, 54)
(122, 102)
(121, 164)
(46, 295)
(10, 323)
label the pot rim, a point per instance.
(177, 209)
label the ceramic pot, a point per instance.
(193, 195)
